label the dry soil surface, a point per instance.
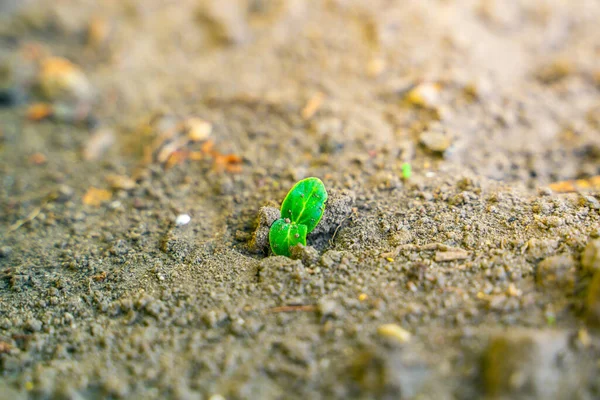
(475, 277)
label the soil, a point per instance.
(472, 278)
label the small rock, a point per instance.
(197, 129)
(540, 248)
(64, 193)
(225, 21)
(435, 141)
(5, 251)
(593, 301)
(394, 332)
(337, 209)
(424, 95)
(591, 202)
(329, 308)
(33, 325)
(177, 245)
(556, 271)
(554, 71)
(60, 79)
(298, 351)
(376, 67)
(390, 374)
(98, 143)
(182, 219)
(260, 238)
(525, 364)
(119, 182)
(590, 257)
(307, 254)
(334, 258)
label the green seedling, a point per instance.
(301, 211)
(406, 171)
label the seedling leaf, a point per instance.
(284, 235)
(305, 203)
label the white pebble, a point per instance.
(182, 219)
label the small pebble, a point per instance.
(424, 95)
(435, 141)
(395, 332)
(34, 325)
(5, 251)
(198, 129)
(119, 182)
(182, 219)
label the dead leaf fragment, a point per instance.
(227, 162)
(37, 159)
(95, 197)
(39, 111)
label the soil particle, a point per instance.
(540, 248)
(389, 373)
(333, 259)
(5, 251)
(528, 363)
(556, 272)
(593, 301)
(177, 244)
(435, 140)
(307, 254)
(225, 22)
(298, 351)
(61, 80)
(259, 243)
(337, 210)
(33, 325)
(329, 308)
(282, 276)
(590, 257)
(394, 332)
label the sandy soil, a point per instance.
(476, 277)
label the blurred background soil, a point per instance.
(140, 139)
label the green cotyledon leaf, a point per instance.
(285, 235)
(305, 203)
